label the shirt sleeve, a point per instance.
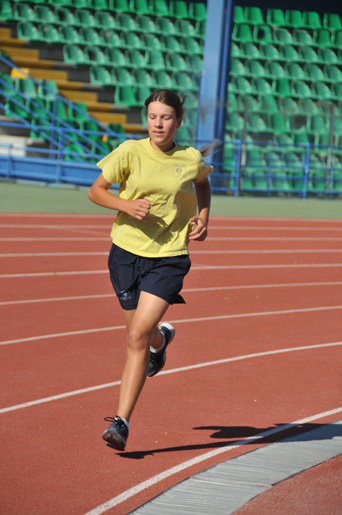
(203, 173)
(115, 166)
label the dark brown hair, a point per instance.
(169, 98)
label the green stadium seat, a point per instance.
(314, 72)
(294, 19)
(143, 78)
(178, 9)
(312, 20)
(295, 71)
(155, 60)
(165, 26)
(84, 18)
(119, 6)
(6, 13)
(274, 69)
(47, 91)
(249, 102)
(23, 12)
(255, 68)
(289, 53)
(132, 40)
(282, 87)
(275, 17)
(263, 34)
(278, 123)
(232, 104)
(183, 80)
(163, 79)
(94, 55)
(116, 57)
(100, 75)
(78, 113)
(111, 38)
(262, 86)
(242, 32)
(139, 7)
(159, 8)
(43, 14)
(145, 24)
(64, 16)
(49, 34)
(171, 43)
(308, 54)
(302, 37)
(282, 36)
(254, 16)
(73, 152)
(185, 28)
(175, 61)
(27, 87)
(239, 14)
(136, 58)
(333, 73)
(28, 31)
(332, 21)
(69, 34)
(271, 52)
(76, 4)
(337, 40)
(73, 54)
(237, 67)
(104, 20)
(300, 89)
(152, 42)
(125, 21)
(90, 36)
(198, 11)
(251, 51)
(124, 77)
(237, 51)
(269, 104)
(256, 124)
(328, 56)
(323, 91)
(194, 63)
(322, 38)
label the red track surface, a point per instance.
(62, 331)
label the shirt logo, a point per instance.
(178, 170)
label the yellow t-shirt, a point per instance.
(165, 180)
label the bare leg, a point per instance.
(142, 328)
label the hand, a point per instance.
(199, 232)
(138, 209)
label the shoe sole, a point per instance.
(114, 441)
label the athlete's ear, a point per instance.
(179, 122)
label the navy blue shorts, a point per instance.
(130, 274)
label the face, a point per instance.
(162, 125)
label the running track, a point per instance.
(258, 347)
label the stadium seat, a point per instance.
(294, 19)
(159, 8)
(119, 6)
(311, 20)
(282, 36)
(43, 14)
(239, 15)
(178, 9)
(64, 16)
(242, 32)
(28, 31)
(139, 7)
(145, 24)
(6, 12)
(263, 34)
(332, 21)
(100, 75)
(322, 38)
(274, 69)
(124, 77)
(276, 17)
(254, 16)
(295, 71)
(105, 20)
(302, 37)
(198, 11)
(314, 72)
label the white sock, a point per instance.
(160, 348)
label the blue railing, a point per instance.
(244, 168)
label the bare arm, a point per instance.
(99, 194)
(203, 193)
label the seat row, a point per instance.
(282, 36)
(292, 70)
(291, 18)
(195, 11)
(107, 38)
(271, 52)
(150, 60)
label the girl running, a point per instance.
(164, 203)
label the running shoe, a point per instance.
(157, 359)
(116, 434)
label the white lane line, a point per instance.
(181, 321)
(235, 251)
(131, 492)
(193, 269)
(172, 371)
(185, 290)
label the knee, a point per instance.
(137, 340)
